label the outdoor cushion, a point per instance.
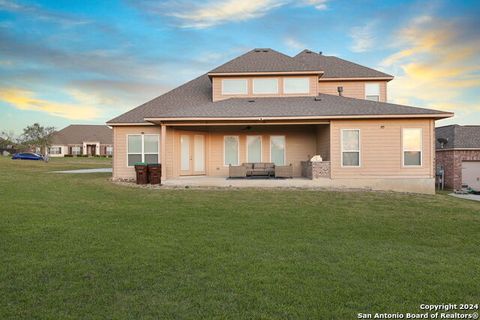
(270, 165)
(260, 165)
(248, 165)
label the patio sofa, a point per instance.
(260, 169)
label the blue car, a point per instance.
(27, 156)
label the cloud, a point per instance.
(26, 100)
(214, 12)
(294, 43)
(363, 37)
(317, 4)
(438, 63)
(219, 12)
(41, 14)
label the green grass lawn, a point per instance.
(78, 246)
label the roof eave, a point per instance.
(357, 79)
(114, 124)
(258, 73)
(332, 117)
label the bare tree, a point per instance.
(8, 139)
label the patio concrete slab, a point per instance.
(474, 197)
(98, 170)
(219, 182)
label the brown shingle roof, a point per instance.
(264, 60)
(79, 133)
(194, 100)
(459, 137)
(334, 67)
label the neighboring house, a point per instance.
(6, 147)
(458, 154)
(265, 106)
(79, 139)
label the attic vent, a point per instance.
(251, 100)
(442, 142)
(264, 50)
(257, 50)
(318, 98)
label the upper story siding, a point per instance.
(351, 88)
(217, 86)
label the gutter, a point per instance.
(396, 116)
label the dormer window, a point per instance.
(296, 85)
(234, 86)
(372, 91)
(265, 86)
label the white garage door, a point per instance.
(471, 174)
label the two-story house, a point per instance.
(264, 106)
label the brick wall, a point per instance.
(451, 160)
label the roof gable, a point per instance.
(334, 67)
(79, 133)
(264, 60)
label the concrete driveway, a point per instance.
(99, 170)
(474, 197)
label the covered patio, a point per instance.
(208, 148)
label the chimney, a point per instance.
(340, 91)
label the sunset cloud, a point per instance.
(438, 64)
(26, 100)
(214, 12)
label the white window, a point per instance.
(76, 150)
(296, 85)
(277, 150)
(254, 149)
(142, 148)
(265, 86)
(234, 86)
(372, 91)
(230, 151)
(55, 150)
(412, 147)
(350, 147)
(109, 150)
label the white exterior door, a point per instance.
(471, 174)
(192, 154)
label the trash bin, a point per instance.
(155, 173)
(141, 169)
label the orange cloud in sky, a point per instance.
(26, 100)
(439, 63)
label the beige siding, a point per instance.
(217, 86)
(351, 89)
(381, 148)
(323, 141)
(120, 168)
(301, 143)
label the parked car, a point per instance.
(27, 156)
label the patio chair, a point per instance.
(237, 171)
(284, 171)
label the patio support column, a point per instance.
(163, 150)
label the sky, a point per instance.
(84, 62)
